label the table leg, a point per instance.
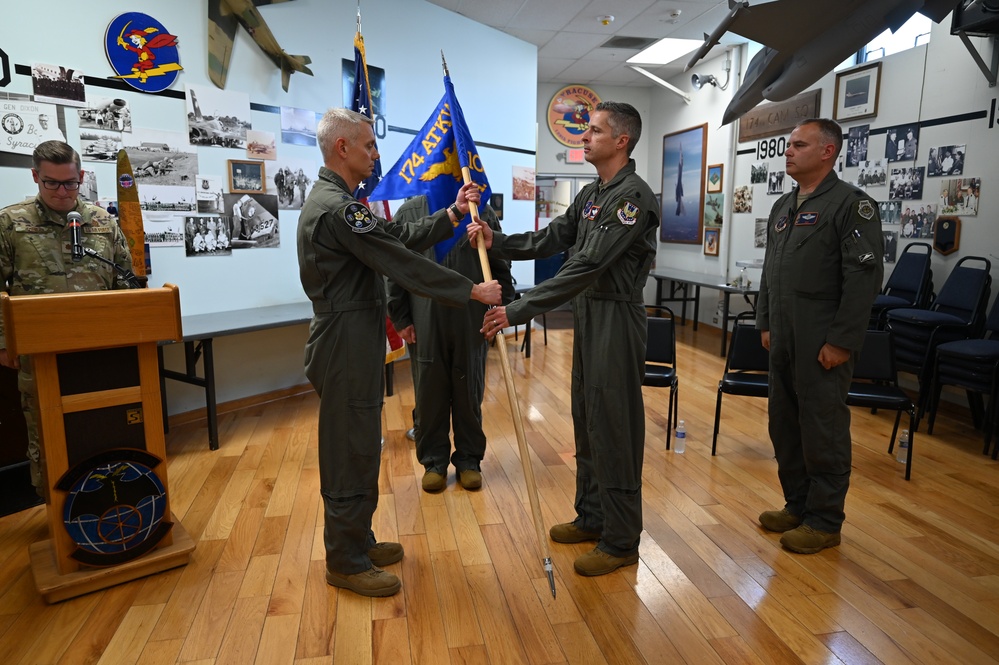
(724, 330)
(213, 420)
(697, 304)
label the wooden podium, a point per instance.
(103, 453)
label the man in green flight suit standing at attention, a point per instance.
(611, 227)
(343, 251)
(822, 270)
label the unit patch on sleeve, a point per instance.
(865, 209)
(359, 218)
(628, 213)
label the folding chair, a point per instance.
(910, 284)
(747, 368)
(660, 362)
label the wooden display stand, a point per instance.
(63, 333)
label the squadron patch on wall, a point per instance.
(359, 218)
(865, 209)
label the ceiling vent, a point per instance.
(636, 43)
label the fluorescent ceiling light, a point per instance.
(666, 51)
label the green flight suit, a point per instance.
(612, 231)
(343, 251)
(822, 270)
(36, 257)
(449, 357)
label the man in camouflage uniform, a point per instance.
(343, 251)
(448, 360)
(612, 227)
(36, 256)
(822, 270)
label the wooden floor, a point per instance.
(915, 580)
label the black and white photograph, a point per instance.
(775, 182)
(254, 220)
(209, 193)
(112, 114)
(946, 160)
(298, 126)
(58, 85)
(291, 180)
(246, 176)
(160, 198)
(160, 157)
(260, 145)
(99, 146)
(108, 205)
(891, 246)
(901, 143)
(906, 184)
(856, 144)
(872, 174)
(758, 173)
(88, 187)
(217, 118)
(208, 236)
(890, 212)
(163, 229)
(960, 196)
(742, 199)
(760, 233)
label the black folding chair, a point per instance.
(958, 312)
(875, 386)
(747, 368)
(660, 361)
(972, 364)
(910, 284)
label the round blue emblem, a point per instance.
(142, 52)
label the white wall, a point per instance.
(489, 70)
(925, 84)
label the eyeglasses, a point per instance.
(70, 185)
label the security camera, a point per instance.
(700, 81)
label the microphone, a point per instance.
(75, 235)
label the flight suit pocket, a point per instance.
(364, 422)
(596, 245)
(859, 254)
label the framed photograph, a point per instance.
(246, 177)
(857, 92)
(714, 178)
(711, 242)
(683, 185)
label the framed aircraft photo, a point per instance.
(711, 239)
(857, 92)
(684, 154)
(246, 177)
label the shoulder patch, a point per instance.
(865, 209)
(627, 213)
(358, 218)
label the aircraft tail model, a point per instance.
(799, 48)
(224, 16)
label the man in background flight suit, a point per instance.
(822, 270)
(36, 257)
(611, 225)
(343, 251)
(448, 358)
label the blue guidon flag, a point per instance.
(432, 164)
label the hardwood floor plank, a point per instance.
(132, 634)
(242, 635)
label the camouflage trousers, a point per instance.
(29, 405)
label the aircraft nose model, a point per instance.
(223, 18)
(801, 46)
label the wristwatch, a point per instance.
(458, 216)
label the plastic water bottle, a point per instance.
(680, 442)
(903, 447)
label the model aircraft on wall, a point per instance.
(223, 18)
(801, 46)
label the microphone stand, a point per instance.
(124, 273)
